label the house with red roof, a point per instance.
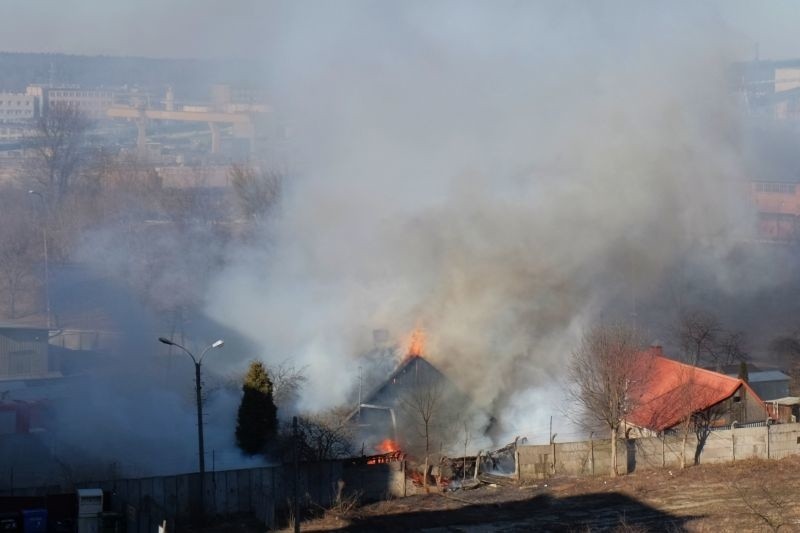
(665, 392)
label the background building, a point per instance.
(24, 353)
(92, 102)
(17, 107)
(778, 205)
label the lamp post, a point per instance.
(46, 262)
(197, 388)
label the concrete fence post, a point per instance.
(767, 439)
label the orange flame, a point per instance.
(387, 446)
(417, 344)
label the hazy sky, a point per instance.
(221, 28)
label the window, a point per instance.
(773, 187)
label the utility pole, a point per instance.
(46, 277)
(360, 385)
(46, 261)
(198, 362)
(201, 451)
(296, 476)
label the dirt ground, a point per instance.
(742, 496)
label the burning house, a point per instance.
(416, 408)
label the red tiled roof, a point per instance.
(666, 390)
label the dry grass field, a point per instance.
(742, 496)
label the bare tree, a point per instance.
(423, 407)
(257, 191)
(467, 437)
(731, 348)
(127, 188)
(607, 369)
(690, 402)
(287, 381)
(697, 333)
(682, 401)
(59, 142)
(702, 422)
(325, 436)
(114, 194)
(18, 254)
(703, 339)
(150, 238)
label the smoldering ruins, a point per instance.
(497, 177)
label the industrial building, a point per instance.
(94, 103)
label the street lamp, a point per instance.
(197, 363)
(46, 265)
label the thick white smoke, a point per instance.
(498, 173)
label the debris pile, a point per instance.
(496, 467)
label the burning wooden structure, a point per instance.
(500, 462)
(419, 410)
(384, 417)
(379, 459)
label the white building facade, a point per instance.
(18, 107)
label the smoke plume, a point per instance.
(500, 175)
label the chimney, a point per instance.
(656, 349)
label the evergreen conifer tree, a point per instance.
(256, 422)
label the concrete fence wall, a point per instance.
(594, 457)
(264, 492)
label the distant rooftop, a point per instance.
(764, 375)
(23, 325)
(733, 369)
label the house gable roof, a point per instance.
(412, 363)
(666, 390)
(407, 365)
